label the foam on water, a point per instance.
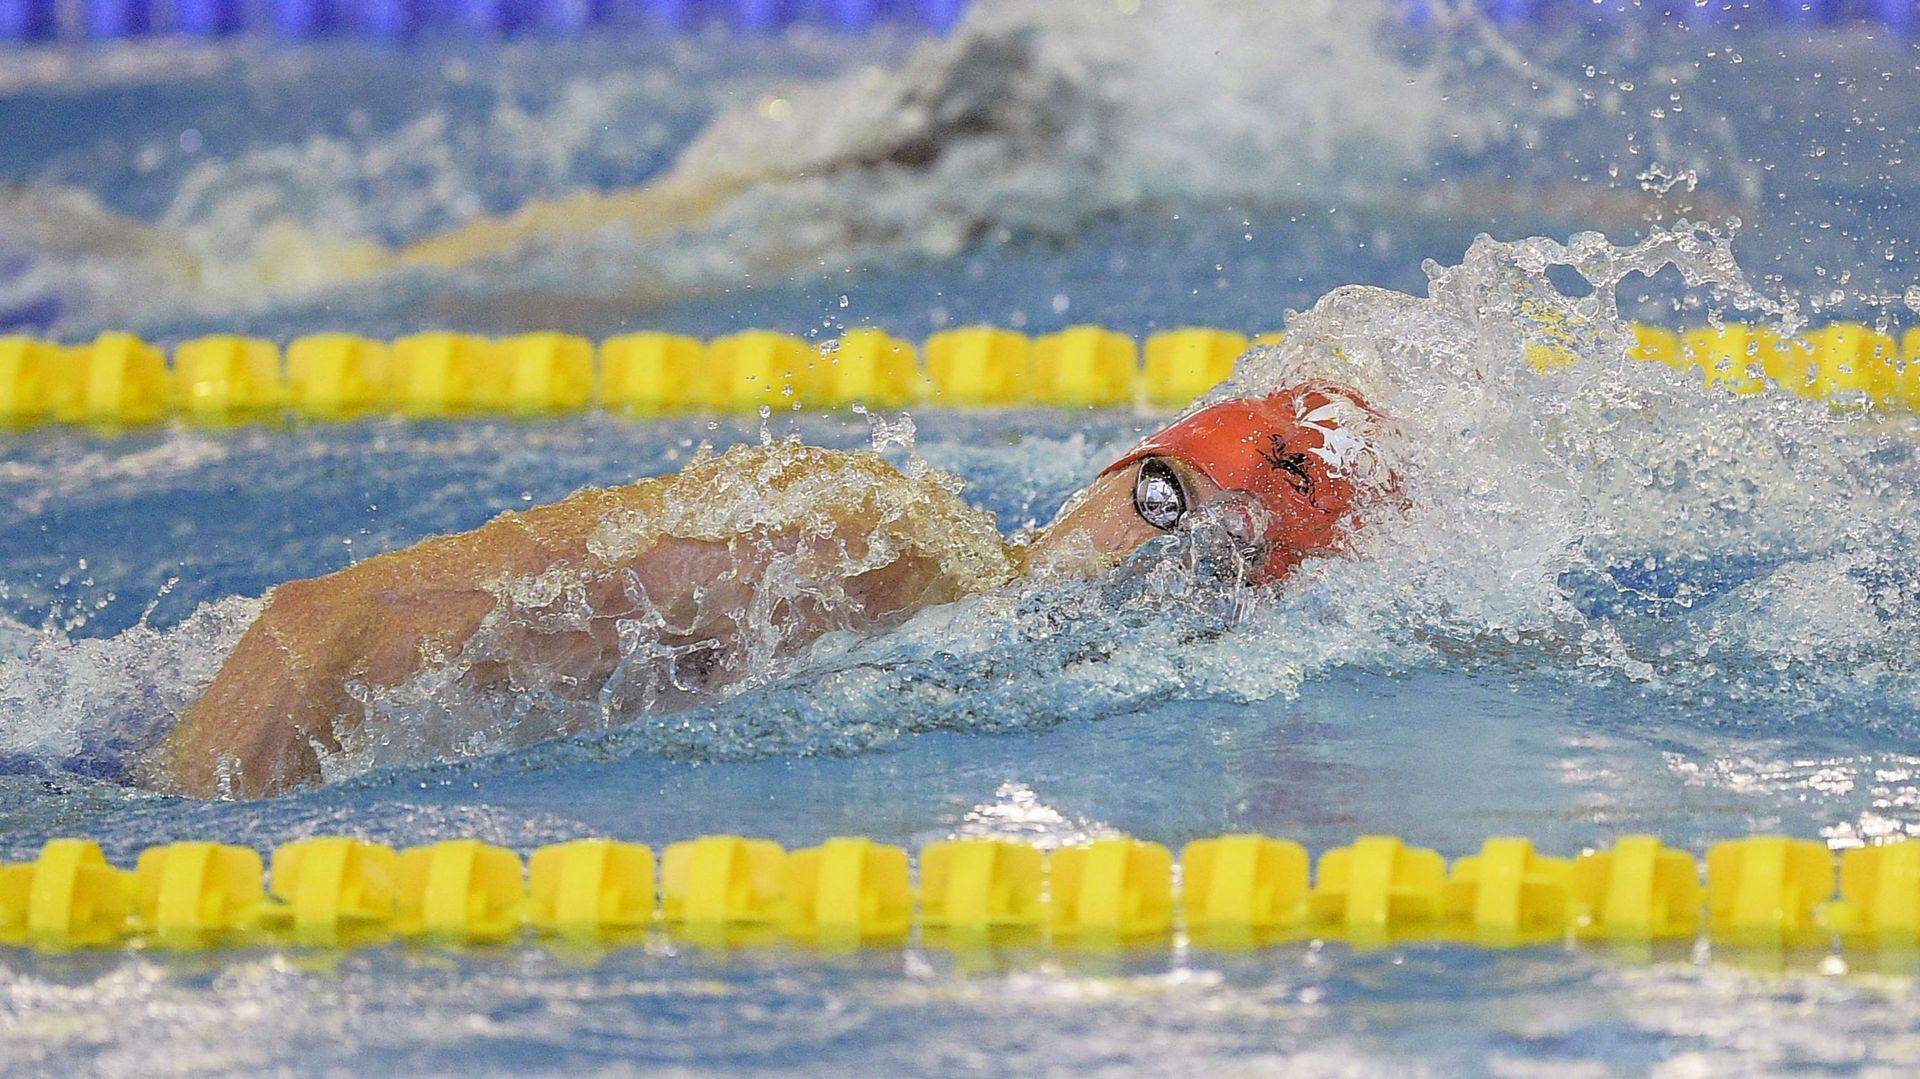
(1607, 518)
(89, 705)
(591, 189)
(1031, 120)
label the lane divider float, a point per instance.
(118, 381)
(1763, 892)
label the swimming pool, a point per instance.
(1625, 604)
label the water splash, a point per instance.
(1551, 506)
(1602, 516)
(708, 583)
(1599, 518)
(1026, 122)
(92, 706)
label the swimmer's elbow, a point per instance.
(229, 757)
(251, 733)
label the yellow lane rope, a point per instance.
(1762, 892)
(120, 381)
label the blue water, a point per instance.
(1623, 605)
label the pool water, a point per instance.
(1612, 603)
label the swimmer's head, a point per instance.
(1280, 472)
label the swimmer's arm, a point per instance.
(282, 697)
(282, 700)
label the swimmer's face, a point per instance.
(1273, 475)
(1121, 510)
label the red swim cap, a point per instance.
(1287, 450)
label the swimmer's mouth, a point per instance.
(1230, 537)
(1219, 545)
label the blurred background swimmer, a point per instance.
(640, 599)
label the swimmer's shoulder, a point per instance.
(712, 493)
(789, 487)
(783, 486)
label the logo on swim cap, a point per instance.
(1294, 452)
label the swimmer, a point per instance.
(654, 594)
